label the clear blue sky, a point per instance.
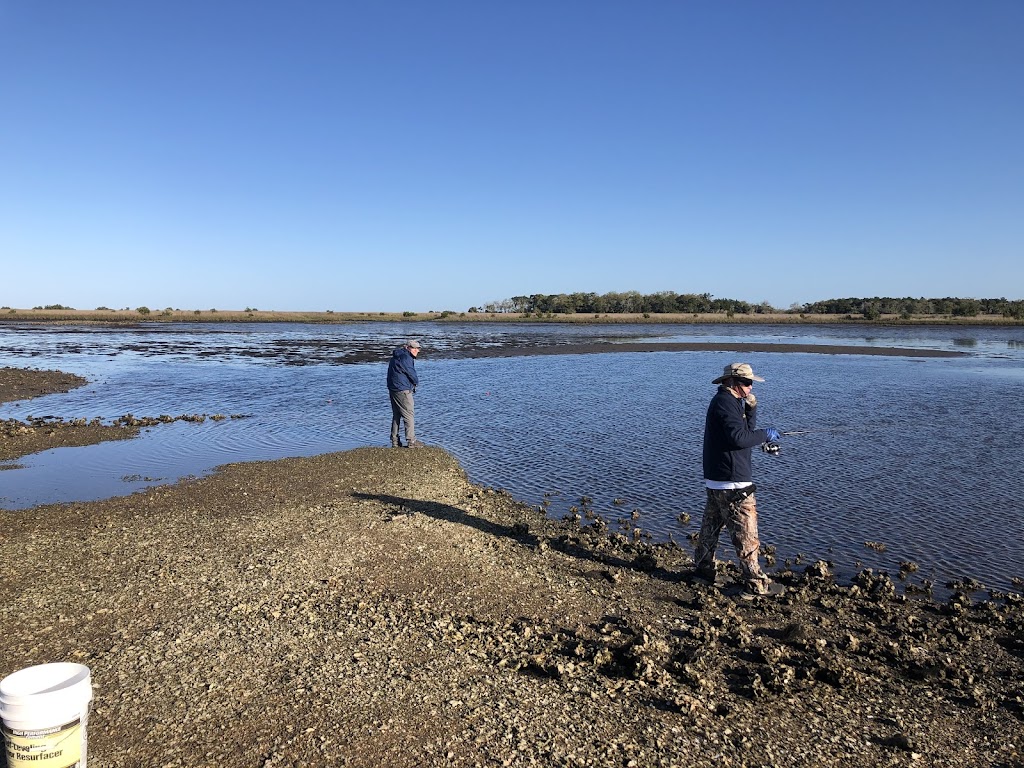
(411, 155)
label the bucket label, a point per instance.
(57, 747)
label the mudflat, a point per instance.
(373, 608)
(26, 383)
(20, 438)
(688, 346)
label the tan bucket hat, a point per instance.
(739, 371)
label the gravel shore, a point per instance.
(374, 608)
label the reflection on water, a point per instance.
(918, 454)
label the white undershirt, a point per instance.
(726, 485)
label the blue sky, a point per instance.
(410, 155)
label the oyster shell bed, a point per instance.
(374, 608)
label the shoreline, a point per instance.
(373, 607)
(129, 318)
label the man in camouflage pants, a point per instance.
(729, 434)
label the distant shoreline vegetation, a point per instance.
(669, 302)
(629, 307)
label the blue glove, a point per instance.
(773, 435)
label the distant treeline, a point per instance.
(704, 303)
(628, 302)
(907, 307)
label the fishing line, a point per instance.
(773, 449)
(832, 430)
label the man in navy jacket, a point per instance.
(730, 431)
(402, 381)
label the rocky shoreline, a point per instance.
(374, 608)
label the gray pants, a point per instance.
(402, 408)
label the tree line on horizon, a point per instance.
(670, 302)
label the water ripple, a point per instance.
(917, 455)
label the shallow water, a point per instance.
(917, 454)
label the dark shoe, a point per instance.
(757, 588)
(396, 445)
(706, 574)
(416, 444)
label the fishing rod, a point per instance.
(773, 448)
(833, 430)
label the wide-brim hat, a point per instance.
(737, 371)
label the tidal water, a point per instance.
(916, 456)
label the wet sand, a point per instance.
(373, 608)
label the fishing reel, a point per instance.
(772, 449)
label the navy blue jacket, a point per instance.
(729, 434)
(402, 370)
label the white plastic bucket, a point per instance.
(45, 710)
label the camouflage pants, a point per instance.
(740, 518)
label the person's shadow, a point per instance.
(517, 533)
(575, 546)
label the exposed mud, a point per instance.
(41, 433)
(21, 438)
(26, 383)
(584, 349)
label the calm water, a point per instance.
(918, 454)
